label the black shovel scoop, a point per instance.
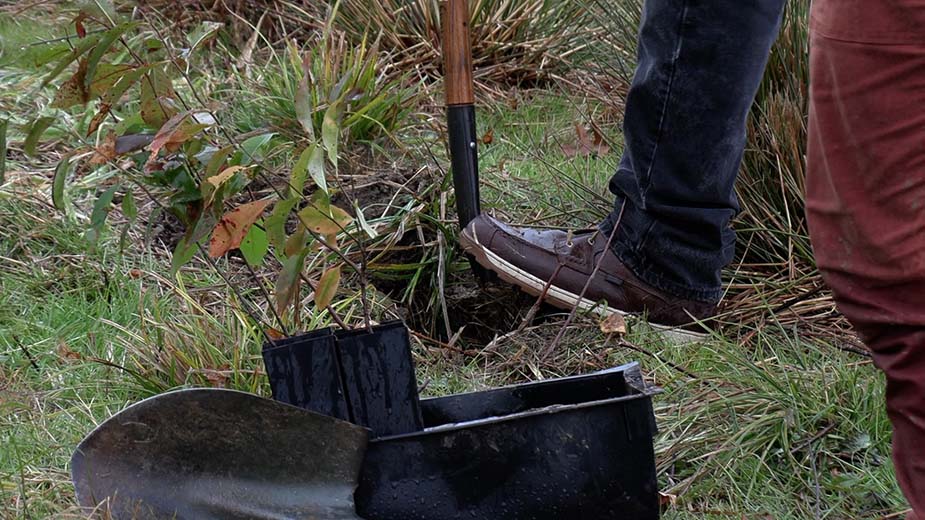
(220, 454)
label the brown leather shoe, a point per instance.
(529, 258)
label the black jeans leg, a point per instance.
(700, 65)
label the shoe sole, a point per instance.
(557, 296)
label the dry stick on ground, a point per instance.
(597, 267)
(627, 344)
(528, 319)
(27, 353)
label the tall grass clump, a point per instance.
(325, 69)
(770, 185)
(513, 42)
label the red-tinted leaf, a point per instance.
(586, 146)
(105, 152)
(287, 285)
(73, 91)
(233, 227)
(176, 131)
(325, 221)
(79, 25)
(327, 287)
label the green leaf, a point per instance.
(107, 75)
(3, 125)
(330, 130)
(293, 52)
(123, 237)
(82, 46)
(109, 37)
(325, 221)
(157, 98)
(202, 33)
(128, 206)
(295, 244)
(316, 168)
(42, 55)
(275, 224)
(299, 171)
(113, 94)
(254, 246)
(287, 285)
(327, 287)
(362, 220)
(57, 185)
(35, 133)
(252, 148)
(183, 253)
(303, 102)
(217, 161)
(101, 210)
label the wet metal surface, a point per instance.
(304, 372)
(578, 447)
(379, 379)
(220, 454)
(357, 375)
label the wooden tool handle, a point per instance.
(457, 54)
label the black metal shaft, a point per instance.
(464, 157)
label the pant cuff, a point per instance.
(631, 257)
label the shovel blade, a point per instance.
(219, 454)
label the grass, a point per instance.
(784, 428)
(526, 170)
(777, 416)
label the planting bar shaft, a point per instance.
(457, 52)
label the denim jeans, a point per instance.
(700, 65)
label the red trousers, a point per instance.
(865, 191)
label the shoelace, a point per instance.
(570, 234)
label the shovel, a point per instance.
(210, 454)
